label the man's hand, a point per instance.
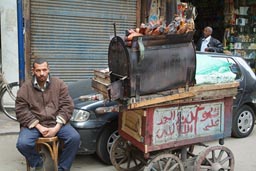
(43, 130)
(53, 131)
(209, 49)
(48, 132)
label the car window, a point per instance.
(235, 68)
(215, 69)
(80, 88)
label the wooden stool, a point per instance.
(52, 145)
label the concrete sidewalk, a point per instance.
(8, 126)
(12, 160)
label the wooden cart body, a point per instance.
(202, 113)
(171, 126)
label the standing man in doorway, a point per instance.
(209, 44)
(43, 109)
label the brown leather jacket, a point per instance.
(33, 105)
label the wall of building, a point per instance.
(9, 39)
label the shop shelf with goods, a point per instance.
(240, 34)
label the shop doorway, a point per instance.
(210, 13)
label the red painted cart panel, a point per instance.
(170, 126)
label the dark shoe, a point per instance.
(37, 169)
(40, 166)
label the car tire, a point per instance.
(243, 122)
(105, 142)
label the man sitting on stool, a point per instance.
(43, 109)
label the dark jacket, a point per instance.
(214, 45)
(34, 105)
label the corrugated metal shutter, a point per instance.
(74, 34)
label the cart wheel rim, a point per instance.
(165, 162)
(216, 158)
(125, 157)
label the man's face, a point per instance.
(41, 72)
(207, 32)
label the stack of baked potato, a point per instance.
(179, 25)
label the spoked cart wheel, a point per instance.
(165, 162)
(8, 97)
(125, 157)
(216, 158)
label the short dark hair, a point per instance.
(39, 61)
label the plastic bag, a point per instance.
(211, 70)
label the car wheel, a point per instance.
(243, 122)
(105, 142)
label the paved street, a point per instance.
(244, 151)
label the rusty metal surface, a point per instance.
(163, 63)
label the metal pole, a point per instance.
(20, 42)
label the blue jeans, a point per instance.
(67, 134)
